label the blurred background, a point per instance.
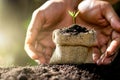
(15, 16)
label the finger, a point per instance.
(112, 48)
(39, 58)
(41, 61)
(96, 54)
(104, 60)
(103, 48)
(114, 44)
(111, 16)
(48, 53)
(110, 53)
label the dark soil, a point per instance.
(59, 72)
(74, 29)
(49, 72)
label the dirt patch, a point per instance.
(74, 29)
(61, 72)
(50, 72)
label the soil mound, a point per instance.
(49, 72)
(61, 72)
(74, 29)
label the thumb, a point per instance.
(111, 16)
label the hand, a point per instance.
(38, 43)
(99, 15)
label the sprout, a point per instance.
(74, 15)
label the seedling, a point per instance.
(74, 15)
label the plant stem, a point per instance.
(74, 20)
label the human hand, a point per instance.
(38, 43)
(99, 15)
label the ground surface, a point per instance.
(49, 72)
(59, 72)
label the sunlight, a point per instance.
(3, 40)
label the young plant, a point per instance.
(74, 15)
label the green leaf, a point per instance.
(74, 15)
(77, 13)
(71, 13)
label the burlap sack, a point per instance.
(71, 55)
(83, 39)
(73, 49)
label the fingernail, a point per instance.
(98, 62)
